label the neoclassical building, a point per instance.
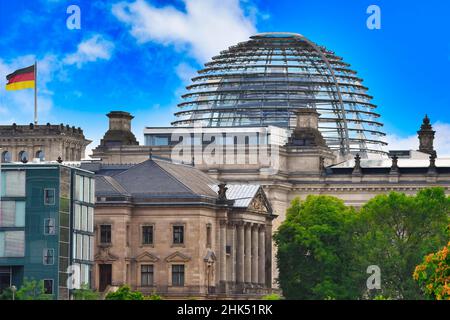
(170, 229)
(44, 142)
(302, 121)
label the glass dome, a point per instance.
(262, 81)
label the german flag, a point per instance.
(21, 79)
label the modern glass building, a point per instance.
(46, 226)
(262, 81)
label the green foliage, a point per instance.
(125, 293)
(395, 231)
(7, 294)
(272, 296)
(85, 293)
(32, 290)
(325, 247)
(153, 296)
(314, 249)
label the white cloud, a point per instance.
(203, 30)
(441, 141)
(90, 50)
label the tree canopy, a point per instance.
(325, 247)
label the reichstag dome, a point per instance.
(262, 81)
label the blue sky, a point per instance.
(137, 55)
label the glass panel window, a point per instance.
(147, 235)
(77, 217)
(105, 233)
(178, 234)
(49, 226)
(86, 243)
(49, 256)
(49, 197)
(92, 191)
(13, 184)
(48, 286)
(146, 275)
(85, 189)
(90, 222)
(178, 275)
(78, 187)
(12, 244)
(84, 218)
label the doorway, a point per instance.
(105, 276)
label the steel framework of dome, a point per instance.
(263, 80)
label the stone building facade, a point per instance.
(170, 229)
(45, 142)
(305, 166)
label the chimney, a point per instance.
(306, 132)
(119, 132)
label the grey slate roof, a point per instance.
(155, 178)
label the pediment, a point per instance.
(177, 257)
(105, 256)
(260, 203)
(146, 257)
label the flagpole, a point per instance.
(35, 93)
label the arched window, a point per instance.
(23, 156)
(40, 155)
(6, 156)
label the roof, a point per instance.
(163, 180)
(155, 178)
(243, 194)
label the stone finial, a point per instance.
(222, 191)
(426, 136)
(59, 160)
(394, 166)
(357, 167)
(432, 166)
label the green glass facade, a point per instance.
(41, 219)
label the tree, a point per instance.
(395, 231)
(85, 293)
(125, 293)
(7, 294)
(32, 290)
(433, 274)
(314, 250)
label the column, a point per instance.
(222, 250)
(262, 256)
(231, 234)
(255, 240)
(248, 254)
(240, 253)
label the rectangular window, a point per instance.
(13, 184)
(178, 234)
(12, 244)
(178, 275)
(105, 233)
(147, 235)
(49, 197)
(77, 217)
(49, 257)
(49, 226)
(48, 286)
(146, 275)
(208, 235)
(12, 213)
(90, 222)
(84, 218)
(92, 191)
(85, 189)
